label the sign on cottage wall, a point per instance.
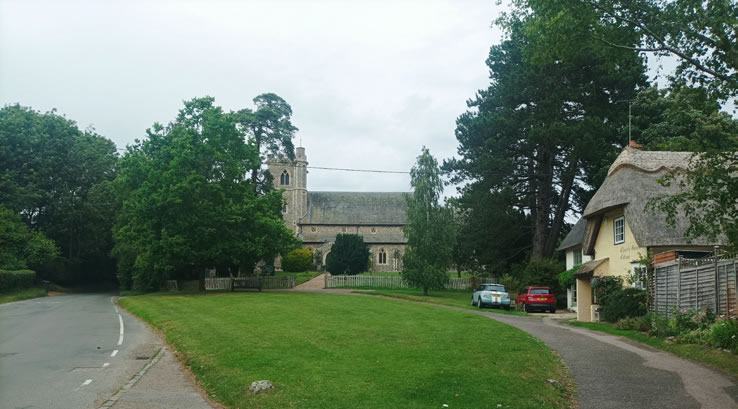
(629, 253)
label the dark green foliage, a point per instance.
(566, 278)
(623, 302)
(724, 334)
(544, 272)
(642, 323)
(349, 255)
(188, 204)
(430, 229)
(56, 177)
(540, 138)
(21, 247)
(297, 260)
(10, 280)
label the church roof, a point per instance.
(356, 208)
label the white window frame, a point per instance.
(615, 229)
(578, 254)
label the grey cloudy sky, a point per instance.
(369, 82)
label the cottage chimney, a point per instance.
(636, 145)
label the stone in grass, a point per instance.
(260, 386)
(555, 383)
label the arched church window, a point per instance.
(284, 178)
(284, 207)
(374, 229)
(382, 256)
(313, 229)
(343, 230)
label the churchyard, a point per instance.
(338, 351)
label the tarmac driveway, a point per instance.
(614, 372)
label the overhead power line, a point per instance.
(358, 170)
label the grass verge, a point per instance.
(21, 294)
(716, 358)
(453, 298)
(334, 351)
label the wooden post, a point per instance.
(679, 286)
(717, 280)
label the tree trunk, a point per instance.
(425, 291)
(567, 182)
(543, 204)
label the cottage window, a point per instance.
(577, 257)
(284, 178)
(382, 256)
(619, 229)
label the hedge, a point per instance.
(16, 279)
(298, 261)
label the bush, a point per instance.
(566, 278)
(697, 336)
(660, 326)
(724, 334)
(349, 255)
(621, 302)
(16, 279)
(642, 324)
(298, 261)
(683, 321)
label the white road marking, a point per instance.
(106, 364)
(120, 338)
(87, 382)
(114, 353)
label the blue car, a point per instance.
(493, 295)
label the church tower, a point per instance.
(292, 177)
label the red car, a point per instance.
(537, 299)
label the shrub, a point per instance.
(16, 279)
(566, 278)
(704, 318)
(349, 255)
(298, 260)
(660, 326)
(683, 321)
(623, 302)
(642, 324)
(724, 334)
(697, 336)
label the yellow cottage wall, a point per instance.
(620, 255)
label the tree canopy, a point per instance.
(539, 139)
(56, 178)
(430, 229)
(21, 247)
(349, 255)
(188, 203)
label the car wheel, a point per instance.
(479, 303)
(525, 307)
(553, 310)
(473, 303)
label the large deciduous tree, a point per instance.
(547, 127)
(53, 175)
(188, 202)
(21, 247)
(430, 228)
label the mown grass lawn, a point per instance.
(454, 298)
(343, 351)
(726, 361)
(300, 277)
(21, 294)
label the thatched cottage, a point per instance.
(619, 232)
(317, 217)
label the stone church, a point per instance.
(317, 217)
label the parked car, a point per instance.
(493, 295)
(536, 299)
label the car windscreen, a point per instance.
(540, 291)
(494, 288)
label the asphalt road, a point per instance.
(614, 372)
(70, 351)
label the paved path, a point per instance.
(317, 283)
(613, 372)
(76, 351)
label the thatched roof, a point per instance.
(575, 236)
(356, 208)
(633, 180)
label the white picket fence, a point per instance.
(267, 283)
(389, 282)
